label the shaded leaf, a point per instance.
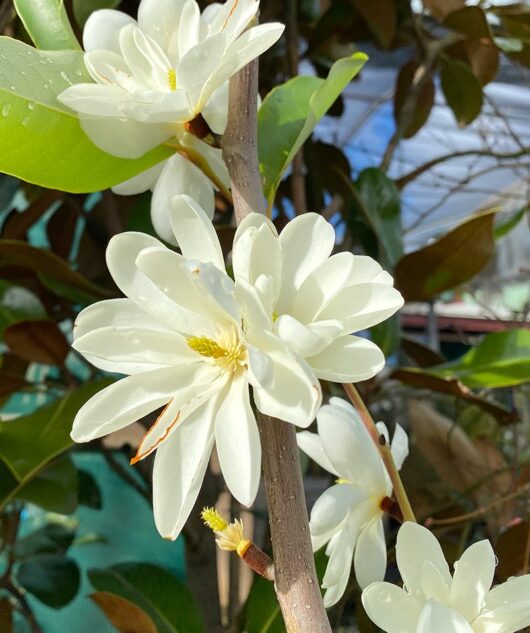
(83, 8)
(447, 263)
(124, 614)
(440, 8)
(52, 270)
(61, 230)
(6, 616)
(380, 15)
(382, 208)
(37, 342)
(45, 142)
(167, 601)
(262, 610)
(289, 114)
(46, 431)
(89, 493)
(46, 22)
(470, 21)
(52, 538)
(54, 488)
(511, 550)
(417, 112)
(421, 354)
(17, 304)
(51, 578)
(502, 359)
(462, 91)
(386, 335)
(451, 386)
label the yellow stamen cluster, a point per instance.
(229, 357)
(172, 79)
(341, 480)
(230, 537)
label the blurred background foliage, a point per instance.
(422, 162)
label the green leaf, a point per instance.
(54, 489)
(165, 599)
(52, 538)
(83, 8)
(462, 91)
(89, 493)
(17, 304)
(51, 578)
(263, 613)
(502, 359)
(379, 201)
(449, 262)
(508, 225)
(59, 274)
(291, 111)
(47, 23)
(42, 139)
(30, 442)
(386, 335)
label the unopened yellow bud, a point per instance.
(213, 520)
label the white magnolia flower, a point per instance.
(349, 515)
(164, 69)
(179, 337)
(433, 601)
(315, 302)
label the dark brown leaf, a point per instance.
(423, 355)
(440, 8)
(126, 616)
(462, 91)
(470, 21)
(449, 262)
(37, 342)
(453, 387)
(61, 230)
(6, 616)
(414, 111)
(511, 550)
(9, 384)
(18, 222)
(380, 15)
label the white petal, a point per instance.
(348, 359)
(102, 30)
(437, 618)
(197, 65)
(350, 449)
(390, 608)
(312, 446)
(346, 406)
(370, 553)
(108, 68)
(142, 182)
(124, 137)
(215, 112)
(332, 508)
(158, 107)
(260, 370)
(147, 61)
(472, 579)
(123, 402)
(400, 446)
(507, 607)
(339, 565)
(319, 288)
(433, 584)
(160, 19)
(416, 544)
(117, 313)
(199, 384)
(133, 351)
(194, 231)
(306, 242)
(305, 340)
(362, 306)
(179, 176)
(94, 99)
(255, 319)
(234, 16)
(209, 159)
(188, 33)
(180, 464)
(237, 441)
(294, 395)
(218, 285)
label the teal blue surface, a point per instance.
(126, 523)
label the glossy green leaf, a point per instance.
(449, 262)
(52, 538)
(51, 578)
(51, 269)
(83, 8)
(17, 304)
(30, 442)
(462, 91)
(291, 111)
(47, 23)
(502, 359)
(378, 199)
(54, 488)
(167, 601)
(508, 225)
(42, 140)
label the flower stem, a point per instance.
(385, 451)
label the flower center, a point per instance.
(172, 79)
(228, 357)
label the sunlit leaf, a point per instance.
(508, 225)
(126, 616)
(289, 114)
(47, 23)
(42, 140)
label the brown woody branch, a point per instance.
(295, 577)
